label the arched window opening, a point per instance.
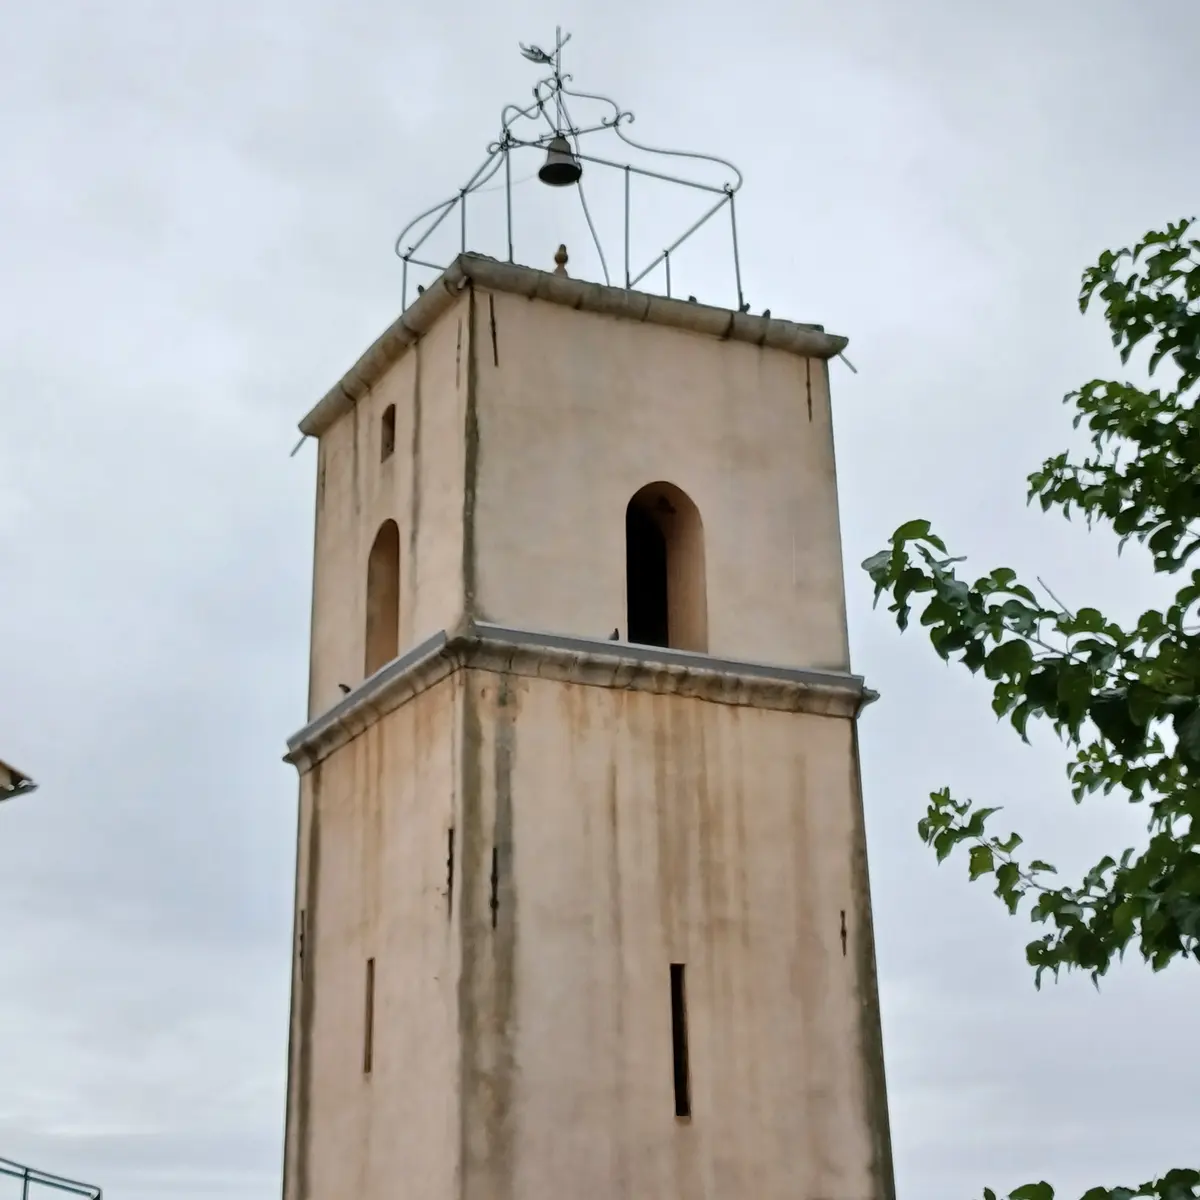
(666, 597)
(387, 433)
(383, 598)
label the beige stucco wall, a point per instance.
(420, 487)
(532, 1058)
(372, 884)
(577, 411)
(637, 830)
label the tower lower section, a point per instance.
(584, 919)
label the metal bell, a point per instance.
(561, 168)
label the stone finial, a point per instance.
(560, 261)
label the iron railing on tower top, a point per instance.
(35, 1185)
(561, 139)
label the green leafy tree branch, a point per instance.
(1179, 1184)
(1125, 700)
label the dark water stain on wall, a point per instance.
(504, 945)
(415, 484)
(808, 966)
(470, 462)
(649, 725)
(487, 982)
(734, 770)
(373, 791)
(474, 854)
(303, 1064)
(616, 924)
(355, 458)
(871, 1025)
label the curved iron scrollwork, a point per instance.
(551, 107)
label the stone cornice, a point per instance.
(14, 782)
(574, 660)
(810, 341)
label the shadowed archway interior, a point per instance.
(383, 598)
(665, 588)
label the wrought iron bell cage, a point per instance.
(563, 145)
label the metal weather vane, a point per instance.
(560, 140)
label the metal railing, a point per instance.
(35, 1184)
(550, 105)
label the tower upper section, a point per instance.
(552, 454)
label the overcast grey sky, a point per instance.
(197, 203)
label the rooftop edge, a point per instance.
(809, 341)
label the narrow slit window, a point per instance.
(495, 901)
(679, 1042)
(387, 433)
(369, 1018)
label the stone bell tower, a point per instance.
(582, 905)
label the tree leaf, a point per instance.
(1088, 620)
(1074, 689)
(910, 531)
(878, 563)
(981, 861)
(1013, 658)
(1042, 688)
(1188, 731)
(1033, 1191)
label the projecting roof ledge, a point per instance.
(589, 661)
(808, 341)
(14, 782)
